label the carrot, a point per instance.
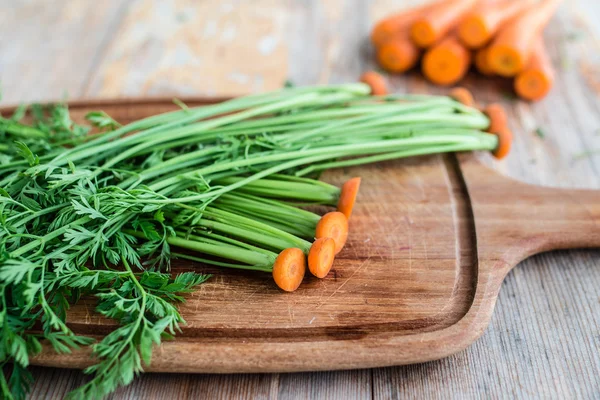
(498, 121)
(321, 256)
(398, 54)
(289, 269)
(375, 81)
(392, 25)
(535, 81)
(480, 25)
(334, 225)
(481, 62)
(348, 196)
(510, 50)
(504, 143)
(447, 62)
(438, 21)
(463, 95)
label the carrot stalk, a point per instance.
(535, 81)
(398, 54)
(348, 196)
(321, 256)
(463, 96)
(334, 225)
(394, 24)
(376, 82)
(438, 21)
(480, 25)
(481, 62)
(289, 269)
(511, 49)
(447, 62)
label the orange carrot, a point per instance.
(535, 81)
(480, 25)
(334, 225)
(498, 121)
(398, 54)
(289, 269)
(392, 25)
(321, 256)
(447, 62)
(375, 81)
(440, 20)
(511, 48)
(481, 62)
(348, 196)
(463, 95)
(504, 143)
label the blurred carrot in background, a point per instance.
(438, 21)
(535, 81)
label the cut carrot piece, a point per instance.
(447, 62)
(504, 143)
(535, 81)
(334, 225)
(390, 26)
(398, 54)
(321, 256)
(348, 195)
(289, 269)
(498, 121)
(440, 20)
(463, 95)
(480, 25)
(510, 50)
(481, 62)
(375, 81)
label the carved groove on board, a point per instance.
(466, 237)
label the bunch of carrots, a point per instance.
(500, 37)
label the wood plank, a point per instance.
(50, 49)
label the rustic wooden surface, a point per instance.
(545, 334)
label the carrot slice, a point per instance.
(480, 25)
(504, 143)
(481, 62)
(447, 62)
(436, 23)
(321, 256)
(334, 225)
(510, 50)
(498, 121)
(376, 82)
(392, 25)
(289, 269)
(348, 195)
(398, 54)
(536, 80)
(463, 95)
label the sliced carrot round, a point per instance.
(289, 269)
(423, 34)
(498, 121)
(504, 143)
(375, 81)
(348, 195)
(321, 256)
(532, 84)
(334, 225)
(463, 95)
(505, 60)
(474, 32)
(397, 55)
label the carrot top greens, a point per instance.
(99, 213)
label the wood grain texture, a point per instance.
(544, 337)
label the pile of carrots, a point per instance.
(500, 37)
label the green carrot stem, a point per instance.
(284, 189)
(223, 264)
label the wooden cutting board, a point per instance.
(431, 240)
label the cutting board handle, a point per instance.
(514, 220)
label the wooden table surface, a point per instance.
(544, 338)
